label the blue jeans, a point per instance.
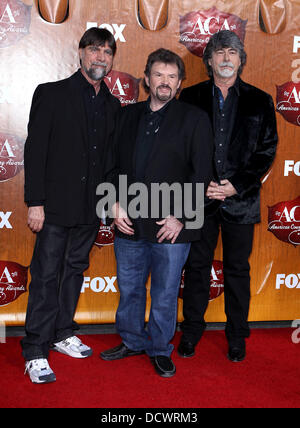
(135, 260)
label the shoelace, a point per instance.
(40, 364)
(74, 340)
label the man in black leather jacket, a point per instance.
(245, 136)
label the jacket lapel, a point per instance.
(241, 113)
(134, 131)
(205, 100)
(77, 103)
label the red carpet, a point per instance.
(268, 378)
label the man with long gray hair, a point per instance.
(245, 137)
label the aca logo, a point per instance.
(11, 156)
(196, 28)
(13, 281)
(15, 17)
(106, 235)
(123, 86)
(284, 221)
(288, 102)
(216, 281)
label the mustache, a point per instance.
(226, 64)
(164, 86)
(102, 64)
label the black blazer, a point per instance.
(56, 149)
(251, 150)
(181, 153)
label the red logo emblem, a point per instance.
(106, 236)
(216, 281)
(196, 28)
(11, 156)
(13, 281)
(284, 221)
(123, 86)
(288, 102)
(15, 19)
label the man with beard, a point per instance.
(245, 136)
(70, 126)
(162, 142)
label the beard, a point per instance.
(226, 72)
(96, 73)
(164, 96)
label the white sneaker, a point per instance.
(39, 371)
(73, 347)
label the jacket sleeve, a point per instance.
(36, 146)
(261, 159)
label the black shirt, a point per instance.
(149, 125)
(224, 119)
(94, 106)
(148, 128)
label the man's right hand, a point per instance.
(121, 219)
(36, 217)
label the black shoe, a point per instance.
(163, 365)
(119, 352)
(186, 349)
(236, 353)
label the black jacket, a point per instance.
(56, 149)
(250, 152)
(181, 153)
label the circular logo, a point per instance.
(15, 17)
(216, 281)
(106, 235)
(11, 156)
(123, 86)
(196, 28)
(288, 102)
(284, 221)
(13, 281)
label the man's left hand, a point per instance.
(170, 229)
(220, 191)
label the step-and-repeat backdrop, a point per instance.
(38, 43)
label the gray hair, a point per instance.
(224, 39)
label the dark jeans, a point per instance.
(60, 257)
(135, 260)
(237, 246)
